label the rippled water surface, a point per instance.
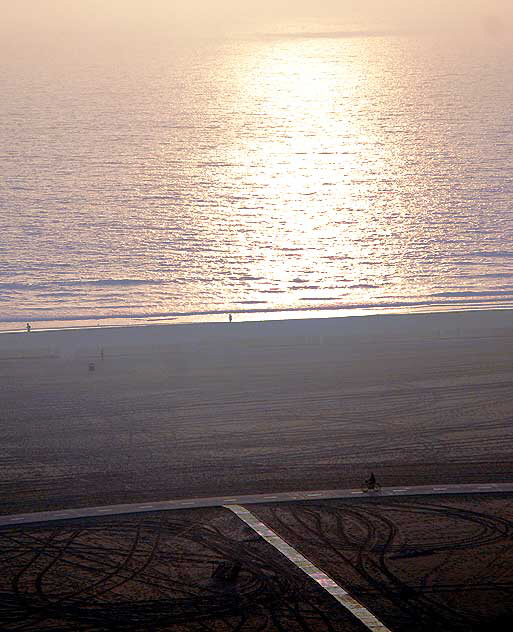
(255, 174)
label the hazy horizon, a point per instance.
(200, 17)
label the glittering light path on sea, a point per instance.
(356, 608)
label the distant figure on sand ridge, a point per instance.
(29, 328)
(230, 318)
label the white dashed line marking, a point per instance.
(357, 609)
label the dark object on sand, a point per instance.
(226, 571)
(92, 366)
(230, 318)
(371, 484)
(29, 328)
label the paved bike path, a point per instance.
(219, 501)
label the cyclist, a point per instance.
(371, 481)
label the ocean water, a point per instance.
(260, 174)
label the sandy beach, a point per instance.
(174, 411)
(158, 573)
(456, 577)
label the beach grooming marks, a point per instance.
(356, 608)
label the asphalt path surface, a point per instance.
(219, 501)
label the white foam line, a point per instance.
(356, 608)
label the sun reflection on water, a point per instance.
(267, 173)
(312, 242)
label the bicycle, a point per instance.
(366, 487)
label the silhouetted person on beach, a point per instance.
(371, 482)
(230, 318)
(29, 328)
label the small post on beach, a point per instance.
(130, 444)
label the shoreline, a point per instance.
(316, 330)
(18, 326)
(243, 316)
